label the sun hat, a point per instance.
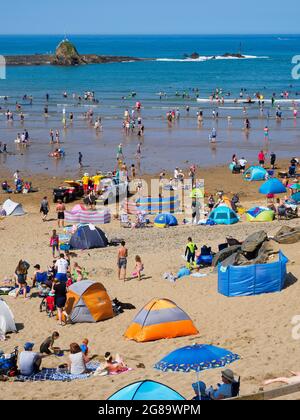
(28, 346)
(228, 374)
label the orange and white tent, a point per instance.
(160, 319)
(88, 301)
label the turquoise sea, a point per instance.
(267, 70)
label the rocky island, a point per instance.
(66, 54)
(196, 56)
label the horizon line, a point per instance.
(155, 34)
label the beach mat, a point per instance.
(54, 375)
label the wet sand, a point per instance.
(164, 146)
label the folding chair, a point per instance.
(124, 221)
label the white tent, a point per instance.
(13, 209)
(7, 322)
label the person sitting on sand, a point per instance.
(295, 379)
(39, 276)
(76, 363)
(29, 361)
(85, 349)
(139, 268)
(47, 344)
(114, 364)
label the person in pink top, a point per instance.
(261, 158)
(54, 243)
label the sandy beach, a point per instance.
(258, 328)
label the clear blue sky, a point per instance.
(150, 16)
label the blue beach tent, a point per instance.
(296, 197)
(272, 186)
(223, 215)
(255, 173)
(165, 220)
(145, 391)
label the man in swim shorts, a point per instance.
(122, 260)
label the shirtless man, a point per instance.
(122, 260)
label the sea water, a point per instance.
(268, 70)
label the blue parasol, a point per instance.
(196, 358)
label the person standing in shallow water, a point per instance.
(80, 156)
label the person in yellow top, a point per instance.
(190, 251)
(97, 181)
(85, 182)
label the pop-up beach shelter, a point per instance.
(160, 319)
(88, 301)
(223, 215)
(88, 237)
(165, 220)
(272, 186)
(13, 209)
(7, 323)
(255, 173)
(145, 391)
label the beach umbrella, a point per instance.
(146, 390)
(196, 358)
(272, 186)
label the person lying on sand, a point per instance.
(295, 379)
(114, 364)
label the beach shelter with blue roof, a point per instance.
(296, 197)
(255, 173)
(165, 220)
(146, 391)
(223, 215)
(272, 186)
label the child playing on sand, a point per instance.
(54, 243)
(47, 345)
(139, 268)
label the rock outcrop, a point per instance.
(67, 55)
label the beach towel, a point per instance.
(103, 372)
(256, 211)
(55, 375)
(199, 275)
